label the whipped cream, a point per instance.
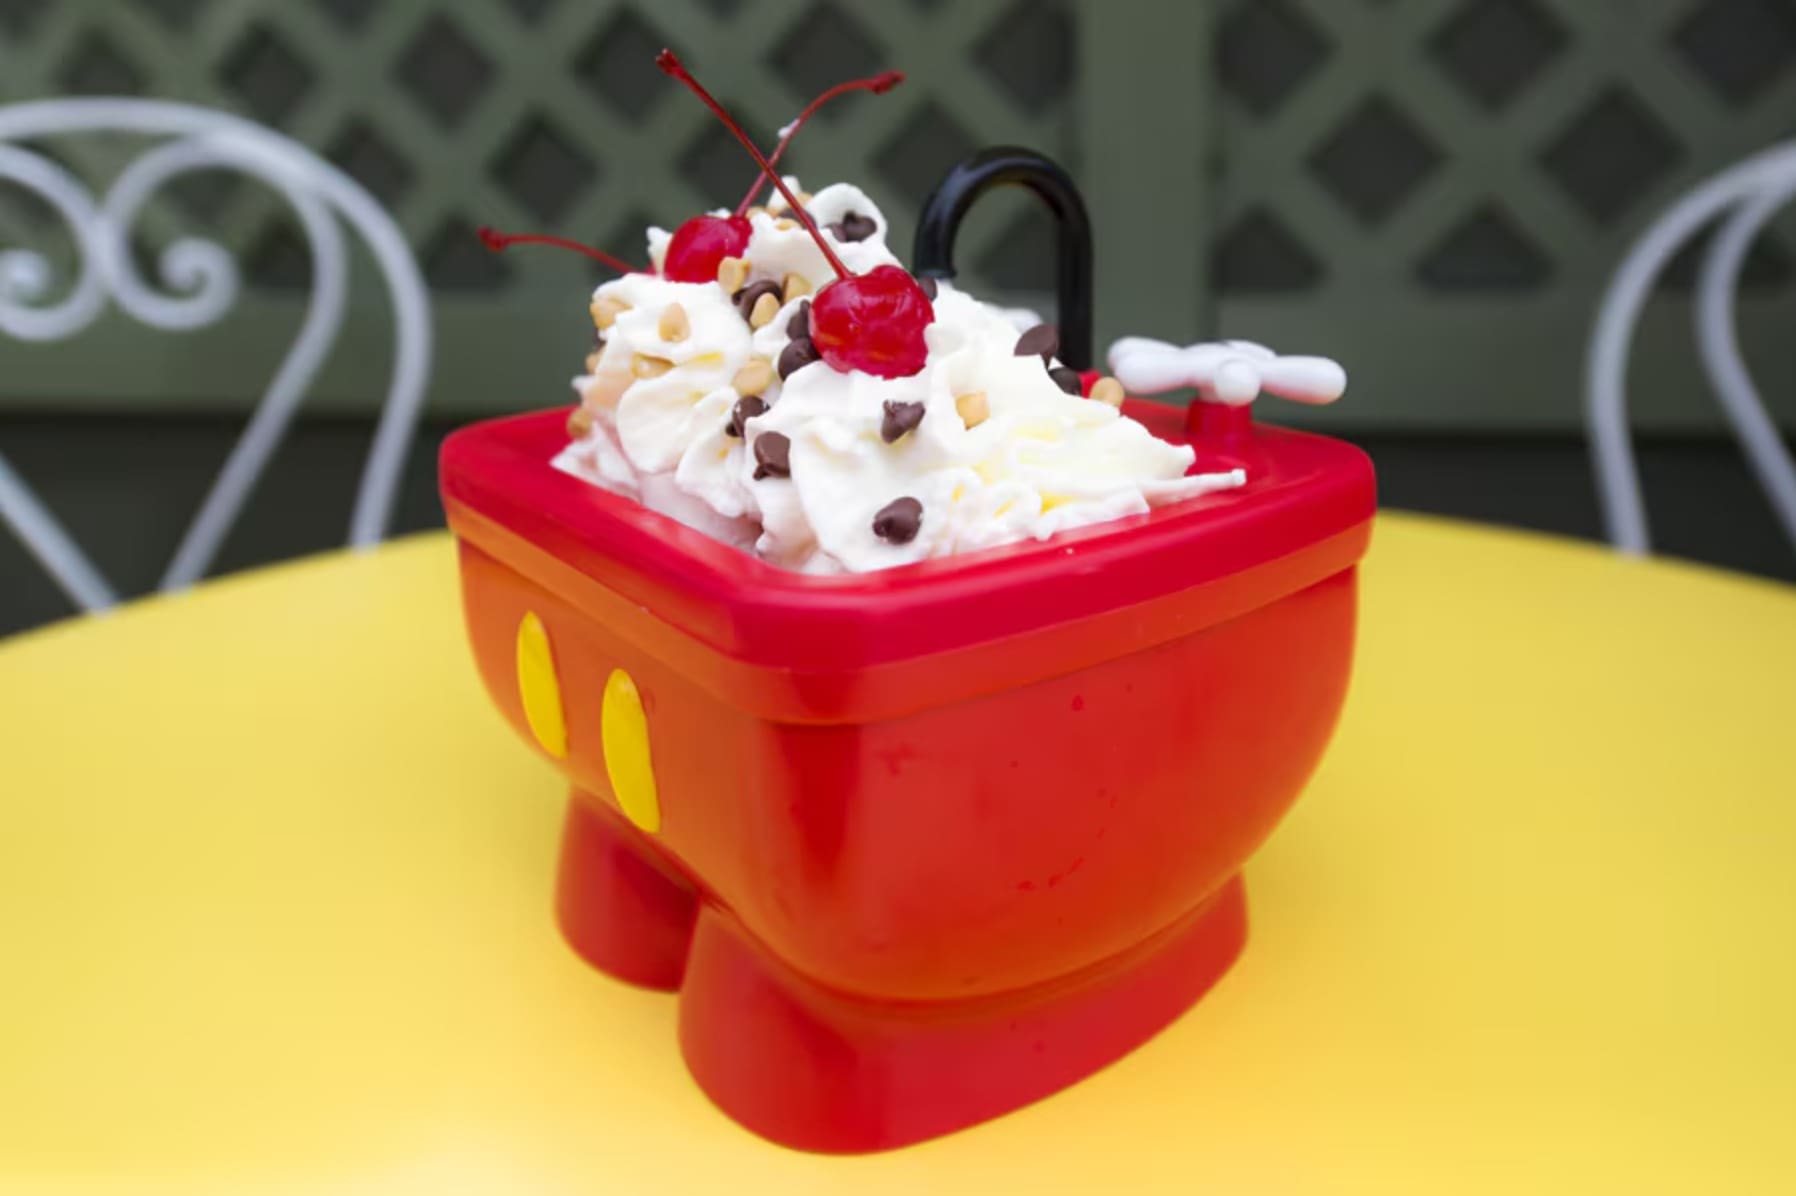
(980, 448)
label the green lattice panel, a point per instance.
(1438, 190)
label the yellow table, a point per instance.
(274, 915)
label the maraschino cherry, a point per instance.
(872, 322)
(700, 245)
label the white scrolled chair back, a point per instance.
(1747, 196)
(199, 286)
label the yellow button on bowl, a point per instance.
(627, 762)
(538, 686)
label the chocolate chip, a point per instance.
(796, 355)
(799, 326)
(1067, 379)
(1042, 341)
(853, 227)
(773, 456)
(748, 296)
(900, 418)
(898, 521)
(930, 286)
(746, 408)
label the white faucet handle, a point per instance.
(1252, 350)
(1230, 372)
(1313, 380)
(1149, 367)
(1233, 380)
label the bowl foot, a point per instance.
(817, 1070)
(620, 909)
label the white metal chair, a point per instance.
(202, 287)
(1748, 196)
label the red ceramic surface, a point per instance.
(930, 843)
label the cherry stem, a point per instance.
(499, 242)
(878, 84)
(670, 63)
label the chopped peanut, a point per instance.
(1108, 390)
(674, 325)
(606, 311)
(579, 423)
(974, 409)
(754, 377)
(644, 366)
(766, 307)
(795, 286)
(732, 272)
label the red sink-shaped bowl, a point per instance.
(924, 845)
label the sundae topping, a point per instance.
(702, 245)
(805, 464)
(1108, 390)
(1041, 341)
(899, 521)
(765, 308)
(606, 310)
(773, 456)
(796, 355)
(852, 227)
(935, 425)
(873, 321)
(973, 409)
(731, 273)
(1067, 379)
(746, 408)
(752, 294)
(1033, 461)
(654, 393)
(899, 419)
(753, 378)
(674, 325)
(789, 257)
